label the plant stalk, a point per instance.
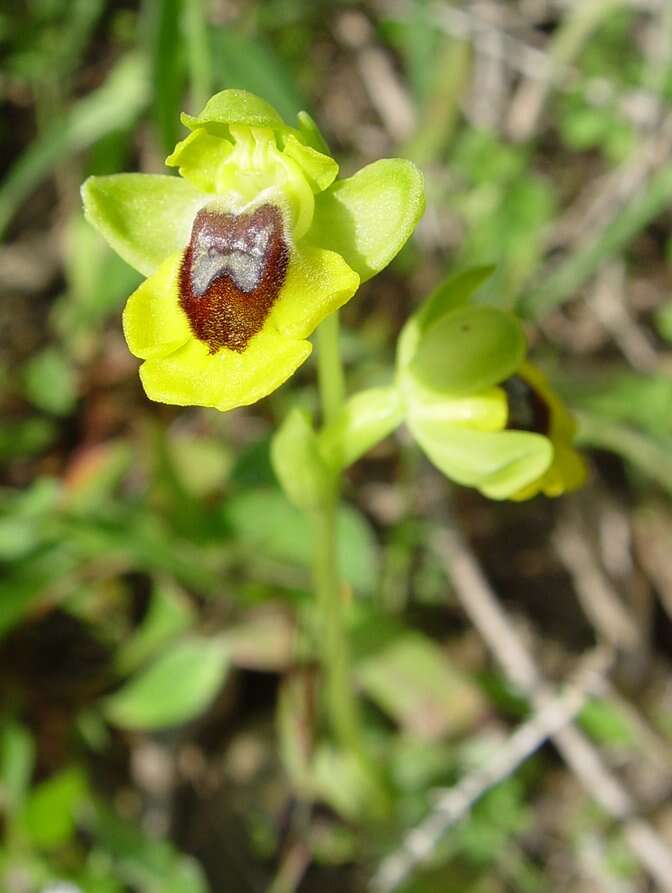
(340, 698)
(341, 702)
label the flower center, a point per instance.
(527, 410)
(232, 273)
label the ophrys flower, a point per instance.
(247, 251)
(484, 416)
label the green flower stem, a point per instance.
(341, 703)
(330, 370)
(342, 707)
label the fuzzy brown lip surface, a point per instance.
(231, 275)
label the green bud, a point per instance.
(298, 464)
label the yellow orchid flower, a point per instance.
(248, 251)
(484, 416)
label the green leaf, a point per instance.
(144, 217)
(569, 276)
(51, 381)
(178, 686)
(23, 520)
(606, 723)
(650, 455)
(145, 862)
(26, 437)
(367, 418)
(663, 315)
(253, 64)
(98, 282)
(113, 106)
(202, 463)
(369, 217)
(48, 817)
(498, 463)
(270, 525)
(413, 681)
(169, 615)
(297, 461)
(341, 779)
(643, 401)
(469, 350)
(168, 70)
(17, 754)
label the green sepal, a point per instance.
(235, 107)
(498, 463)
(367, 418)
(144, 217)
(369, 217)
(298, 464)
(468, 350)
(452, 293)
(311, 134)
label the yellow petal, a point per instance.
(318, 283)
(154, 323)
(193, 377)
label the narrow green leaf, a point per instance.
(252, 64)
(168, 69)
(113, 106)
(564, 282)
(17, 755)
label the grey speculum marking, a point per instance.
(241, 255)
(231, 275)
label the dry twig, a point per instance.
(483, 608)
(452, 805)
(601, 604)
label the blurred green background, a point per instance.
(158, 727)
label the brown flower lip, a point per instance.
(528, 411)
(231, 275)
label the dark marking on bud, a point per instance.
(232, 273)
(528, 411)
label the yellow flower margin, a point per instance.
(567, 470)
